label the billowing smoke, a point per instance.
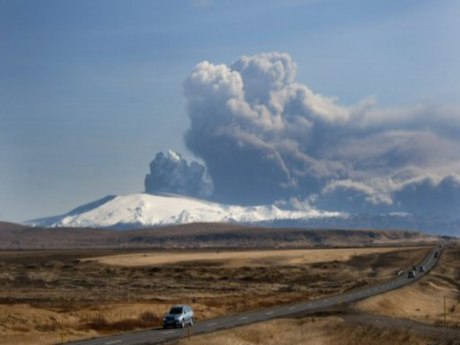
(170, 173)
(265, 137)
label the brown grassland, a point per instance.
(421, 301)
(328, 330)
(424, 300)
(236, 258)
(48, 296)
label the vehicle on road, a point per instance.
(422, 269)
(435, 254)
(178, 316)
(411, 274)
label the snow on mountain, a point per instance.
(139, 210)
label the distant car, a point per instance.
(435, 254)
(422, 269)
(411, 274)
(178, 316)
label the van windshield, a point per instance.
(176, 310)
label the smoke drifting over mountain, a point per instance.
(265, 137)
(170, 173)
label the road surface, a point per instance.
(157, 336)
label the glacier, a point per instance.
(134, 211)
(142, 210)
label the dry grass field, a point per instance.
(235, 258)
(424, 300)
(46, 296)
(307, 331)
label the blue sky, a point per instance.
(91, 90)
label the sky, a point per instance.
(91, 91)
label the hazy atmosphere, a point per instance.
(229, 172)
(336, 105)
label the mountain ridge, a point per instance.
(141, 210)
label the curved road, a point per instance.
(156, 336)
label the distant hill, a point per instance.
(201, 235)
(6, 226)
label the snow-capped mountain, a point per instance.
(140, 210)
(144, 210)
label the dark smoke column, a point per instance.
(265, 137)
(170, 173)
(249, 123)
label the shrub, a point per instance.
(146, 319)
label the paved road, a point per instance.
(156, 336)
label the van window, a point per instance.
(176, 310)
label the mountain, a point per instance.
(55, 220)
(7, 226)
(145, 210)
(390, 221)
(142, 210)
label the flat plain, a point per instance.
(236, 258)
(324, 330)
(428, 300)
(422, 302)
(50, 296)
